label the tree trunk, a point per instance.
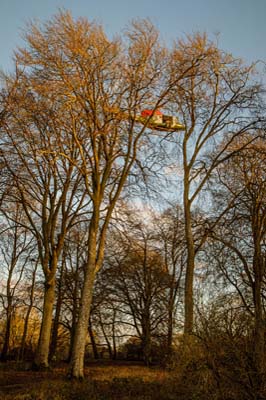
(146, 345)
(170, 329)
(72, 336)
(54, 338)
(25, 331)
(106, 338)
(42, 354)
(259, 328)
(57, 314)
(146, 338)
(26, 323)
(5, 348)
(93, 342)
(113, 336)
(189, 276)
(189, 301)
(81, 331)
(74, 314)
(259, 343)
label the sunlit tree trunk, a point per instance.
(81, 331)
(42, 353)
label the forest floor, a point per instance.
(103, 381)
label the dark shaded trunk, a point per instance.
(113, 336)
(53, 345)
(258, 227)
(170, 329)
(259, 326)
(110, 351)
(25, 331)
(54, 338)
(146, 340)
(71, 344)
(5, 348)
(190, 265)
(74, 315)
(189, 301)
(27, 317)
(93, 342)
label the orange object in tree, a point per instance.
(155, 119)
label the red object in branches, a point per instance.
(148, 113)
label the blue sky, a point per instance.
(241, 23)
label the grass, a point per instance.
(188, 380)
(103, 381)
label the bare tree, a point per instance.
(105, 85)
(134, 283)
(16, 246)
(242, 235)
(215, 98)
(170, 235)
(37, 129)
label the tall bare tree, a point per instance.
(242, 235)
(103, 84)
(36, 130)
(135, 281)
(115, 138)
(169, 232)
(218, 101)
